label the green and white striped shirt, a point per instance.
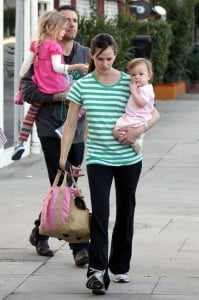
(103, 106)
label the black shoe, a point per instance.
(81, 258)
(34, 236)
(43, 249)
(40, 243)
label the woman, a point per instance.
(103, 94)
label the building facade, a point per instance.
(14, 44)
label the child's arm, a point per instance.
(57, 64)
(63, 68)
(81, 67)
(136, 97)
(26, 64)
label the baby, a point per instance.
(140, 104)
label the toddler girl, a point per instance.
(140, 104)
(50, 72)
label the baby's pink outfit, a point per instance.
(136, 116)
(47, 80)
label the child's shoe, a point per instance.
(18, 151)
(18, 98)
(59, 131)
(138, 145)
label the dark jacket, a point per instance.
(51, 114)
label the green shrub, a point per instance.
(161, 36)
(88, 28)
(181, 17)
(192, 65)
(124, 29)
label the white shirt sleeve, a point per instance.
(57, 64)
(26, 64)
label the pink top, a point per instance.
(46, 79)
(135, 115)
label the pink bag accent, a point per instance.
(64, 213)
(48, 210)
(18, 98)
(50, 203)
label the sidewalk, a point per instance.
(165, 262)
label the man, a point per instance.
(51, 116)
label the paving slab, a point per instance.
(165, 257)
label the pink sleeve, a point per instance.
(146, 92)
(54, 48)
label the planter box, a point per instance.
(169, 91)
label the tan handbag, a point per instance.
(64, 213)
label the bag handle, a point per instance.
(64, 182)
(73, 179)
(57, 177)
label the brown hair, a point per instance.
(101, 41)
(67, 7)
(136, 61)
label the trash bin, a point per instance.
(141, 46)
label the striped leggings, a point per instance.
(28, 121)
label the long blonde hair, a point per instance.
(49, 26)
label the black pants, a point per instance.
(51, 149)
(100, 179)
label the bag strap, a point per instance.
(73, 179)
(57, 177)
(64, 181)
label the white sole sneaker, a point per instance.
(18, 151)
(96, 283)
(121, 278)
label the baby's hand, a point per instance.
(133, 87)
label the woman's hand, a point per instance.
(69, 168)
(62, 164)
(128, 135)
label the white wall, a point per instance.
(26, 22)
(110, 9)
(83, 7)
(1, 63)
(63, 2)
